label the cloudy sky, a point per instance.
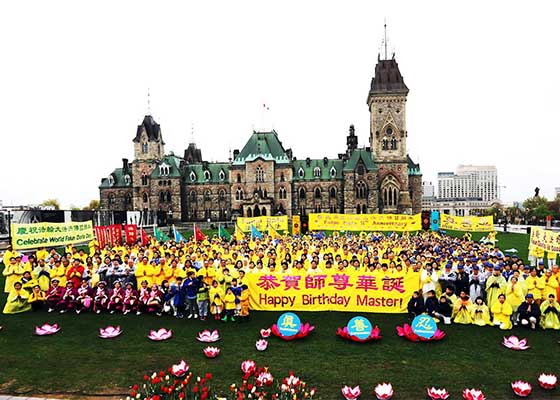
(483, 76)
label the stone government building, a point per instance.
(264, 178)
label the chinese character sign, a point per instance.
(364, 222)
(332, 291)
(46, 234)
(424, 326)
(468, 224)
(278, 223)
(359, 327)
(288, 324)
(545, 240)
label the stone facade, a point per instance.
(265, 179)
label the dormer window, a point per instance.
(317, 172)
(145, 148)
(127, 180)
(301, 173)
(111, 180)
(333, 172)
(193, 176)
(259, 174)
(207, 176)
(164, 169)
(222, 175)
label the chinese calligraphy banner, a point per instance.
(339, 291)
(279, 223)
(30, 236)
(364, 222)
(468, 224)
(546, 240)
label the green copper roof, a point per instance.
(413, 168)
(307, 168)
(360, 154)
(173, 162)
(118, 179)
(263, 145)
(196, 173)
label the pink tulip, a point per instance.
(437, 394)
(46, 329)
(261, 345)
(351, 393)
(383, 391)
(521, 389)
(208, 337)
(514, 343)
(211, 352)
(548, 381)
(248, 366)
(179, 369)
(473, 394)
(109, 332)
(161, 334)
(265, 333)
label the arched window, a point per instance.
(282, 193)
(302, 210)
(207, 195)
(111, 199)
(390, 191)
(361, 190)
(302, 193)
(317, 209)
(161, 197)
(222, 175)
(364, 209)
(164, 169)
(332, 193)
(385, 144)
(360, 169)
(238, 178)
(239, 194)
(193, 196)
(317, 172)
(168, 196)
(222, 195)
(192, 176)
(282, 179)
(207, 175)
(145, 147)
(128, 199)
(393, 144)
(111, 180)
(249, 212)
(317, 193)
(301, 173)
(263, 212)
(127, 180)
(145, 197)
(144, 179)
(259, 174)
(358, 209)
(333, 172)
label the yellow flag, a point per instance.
(238, 233)
(272, 232)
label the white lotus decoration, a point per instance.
(261, 345)
(211, 352)
(110, 332)
(180, 369)
(548, 381)
(514, 343)
(46, 329)
(383, 391)
(208, 337)
(161, 334)
(351, 393)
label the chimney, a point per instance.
(125, 164)
(308, 161)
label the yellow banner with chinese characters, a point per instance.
(545, 240)
(332, 291)
(468, 224)
(364, 222)
(279, 223)
(47, 234)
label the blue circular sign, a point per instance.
(359, 327)
(424, 326)
(288, 324)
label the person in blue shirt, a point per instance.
(190, 286)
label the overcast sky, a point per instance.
(483, 78)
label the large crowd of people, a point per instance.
(459, 280)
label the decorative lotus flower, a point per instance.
(208, 337)
(548, 381)
(521, 388)
(304, 330)
(351, 393)
(264, 378)
(473, 394)
(437, 394)
(343, 333)
(514, 343)
(265, 333)
(248, 366)
(383, 391)
(261, 345)
(46, 329)
(109, 332)
(161, 334)
(211, 352)
(407, 332)
(179, 369)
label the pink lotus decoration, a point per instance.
(343, 333)
(383, 391)
(46, 329)
(248, 366)
(437, 394)
(261, 345)
(179, 369)
(304, 330)
(109, 332)
(208, 337)
(521, 389)
(161, 334)
(548, 381)
(473, 394)
(265, 333)
(407, 332)
(514, 343)
(211, 352)
(351, 393)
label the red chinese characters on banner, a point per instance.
(291, 282)
(130, 232)
(102, 235)
(268, 282)
(115, 234)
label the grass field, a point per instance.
(76, 360)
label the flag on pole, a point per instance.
(223, 234)
(255, 233)
(198, 235)
(272, 232)
(177, 235)
(144, 237)
(160, 236)
(238, 233)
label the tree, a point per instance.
(554, 207)
(537, 208)
(93, 205)
(51, 203)
(74, 208)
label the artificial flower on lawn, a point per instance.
(521, 388)
(265, 333)
(304, 330)
(159, 335)
(514, 343)
(208, 337)
(383, 391)
(437, 394)
(351, 393)
(473, 394)
(548, 381)
(407, 332)
(46, 329)
(179, 369)
(110, 332)
(343, 333)
(165, 386)
(261, 345)
(211, 352)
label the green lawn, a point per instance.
(76, 360)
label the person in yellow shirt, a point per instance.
(8, 254)
(501, 311)
(535, 285)
(41, 254)
(462, 310)
(550, 311)
(229, 306)
(12, 273)
(17, 300)
(550, 283)
(244, 303)
(59, 272)
(480, 313)
(514, 295)
(37, 298)
(216, 295)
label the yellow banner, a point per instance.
(364, 222)
(336, 291)
(296, 225)
(545, 240)
(469, 224)
(279, 223)
(46, 234)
